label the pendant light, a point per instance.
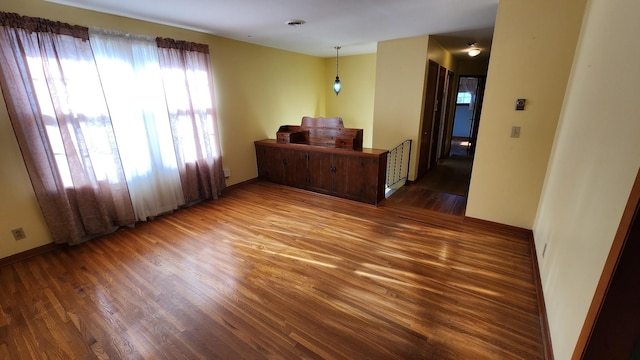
(337, 86)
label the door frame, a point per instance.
(475, 116)
(625, 235)
(477, 112)
(445, 141)
(426, 134)
(436, 128)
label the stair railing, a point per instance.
(398, 164)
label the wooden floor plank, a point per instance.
(269, 272)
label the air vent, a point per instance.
(295, 22)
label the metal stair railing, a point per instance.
(398, 164)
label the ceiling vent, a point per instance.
(295, 22)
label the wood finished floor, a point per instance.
(442, 189)
(272, 272)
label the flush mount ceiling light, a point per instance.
(295, 22)
(474, 51)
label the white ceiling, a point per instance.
(355, 25)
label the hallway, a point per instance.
(443, 189)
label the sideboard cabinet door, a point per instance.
(357, 176)
(321, 172)
(295, 168)
(270, 163)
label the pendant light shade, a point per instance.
(474, 52)
(337, 85)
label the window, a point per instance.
(464, 97)
(113, 128)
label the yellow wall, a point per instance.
(437, 53)
(401, 73)
(400, 77)
(473, 67)
(257, 90)
(19, 207)
(531, 57)
(595, 158)
(354, 104)
(444, 58)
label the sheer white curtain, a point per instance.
(129, 69)
(470, 85)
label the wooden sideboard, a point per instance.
(352, 174)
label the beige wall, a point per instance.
(354, 104)
(18, 207)
(257, 89)
(444, 58)
(401, 72)
(437, 53)
(400, 76)
(531, 57)
(473, 67)
(595, 158)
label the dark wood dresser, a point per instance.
(333, 163)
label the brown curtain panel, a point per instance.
(61, 123)
(188, 85)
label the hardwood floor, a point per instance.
(270, 271)
(442, 189)
(421, 197)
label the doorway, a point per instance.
(468, 107)
(427, 132)
(435, 119)
(451, 162)
(444, 171)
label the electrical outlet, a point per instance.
(515, 131)
(227, 172)
(18, 234)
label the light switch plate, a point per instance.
(515, 131)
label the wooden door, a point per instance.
(477, 110)
(445, 140)
(262, 156)
(437, 118)
(363, 185)
(341, 170)
(295, 168)
(270, 164)
(356, 178)
(427, 118)
(320, 171)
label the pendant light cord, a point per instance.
(337, 49)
